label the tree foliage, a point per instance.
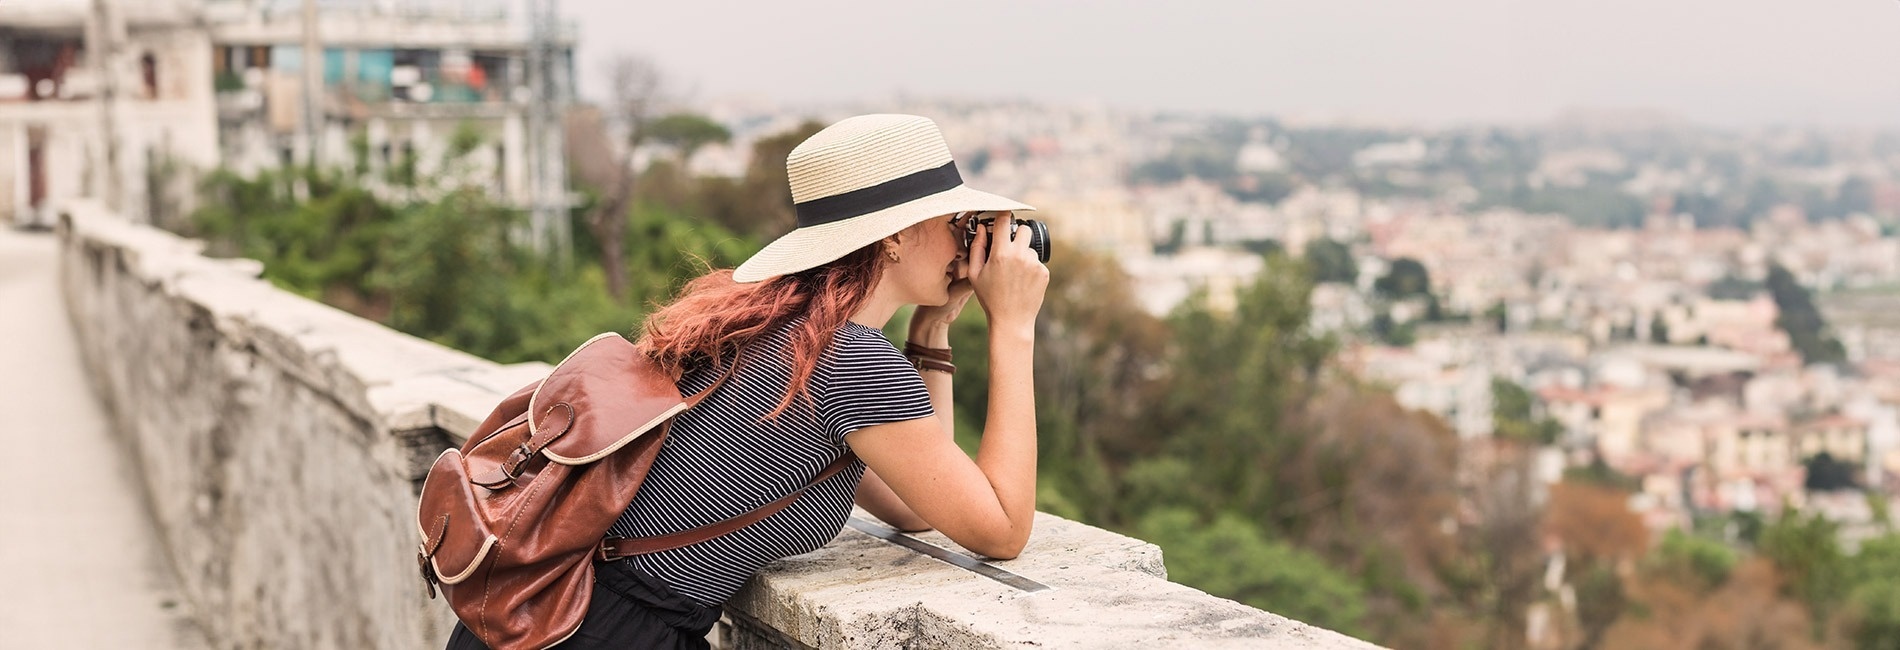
(1874, 600)
(1806, 548)
(1693, 560)
(444, 264)
(1407, 278)
(1256, 569)
(1332, 262)
(686, 133)
(1797, 315)
(1512, 415)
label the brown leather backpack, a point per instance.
(512, 522)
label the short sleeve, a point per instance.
(869, 383)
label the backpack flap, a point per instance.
(600, 398)
(455, 540)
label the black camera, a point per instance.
(1037, 230)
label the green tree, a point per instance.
(1332, 262)
(1511, 415)
(1393, 333)
(1406, 278)
(444, 264)
(1801, 320)
(686, 133)
(1704, 562)
(1231, 557)
(1875, 600)
(760, 204)
(604, 168)
(1601, 599)
(1807, 549)
(1224, 421)
(1877, 615)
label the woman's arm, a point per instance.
(929, 328)
(987, 505)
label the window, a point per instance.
(148, 72)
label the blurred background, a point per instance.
(1460, 324)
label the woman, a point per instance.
(881, 211)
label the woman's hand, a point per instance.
(1007, 276)
(930, 324)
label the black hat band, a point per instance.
(894, 192)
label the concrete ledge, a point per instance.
(1109, 591)
(276, 437)
(280, 442)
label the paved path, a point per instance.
(83, 564)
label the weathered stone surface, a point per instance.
(864, 592)
(281, 440)
(285, 502)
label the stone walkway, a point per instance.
(84, 564)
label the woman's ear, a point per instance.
(889, 247)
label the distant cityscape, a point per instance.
(1616, 266)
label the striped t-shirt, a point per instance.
(720, 460)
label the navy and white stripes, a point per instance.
(721, 460)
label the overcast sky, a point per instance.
(1721, 62)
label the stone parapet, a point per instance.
(1104, 591)
(279, 439)
(281, 443)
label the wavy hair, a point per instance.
(714, 319)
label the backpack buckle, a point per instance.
(517, 461)
(428, 575)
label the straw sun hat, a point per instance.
(861, 180)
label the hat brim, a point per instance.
(814, 246)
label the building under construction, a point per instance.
(129, 101)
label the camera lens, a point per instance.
(1038, 237)
(1037, 231)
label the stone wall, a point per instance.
(282, 442)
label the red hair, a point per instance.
(714, 319)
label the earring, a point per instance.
(891, 253)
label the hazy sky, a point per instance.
(1723, 62)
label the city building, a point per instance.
(102, 99)
(133, 100)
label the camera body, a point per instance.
(1038, 232)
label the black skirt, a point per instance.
(629, 609)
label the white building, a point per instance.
(79, 118)
(208, 83)
(398, 80)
